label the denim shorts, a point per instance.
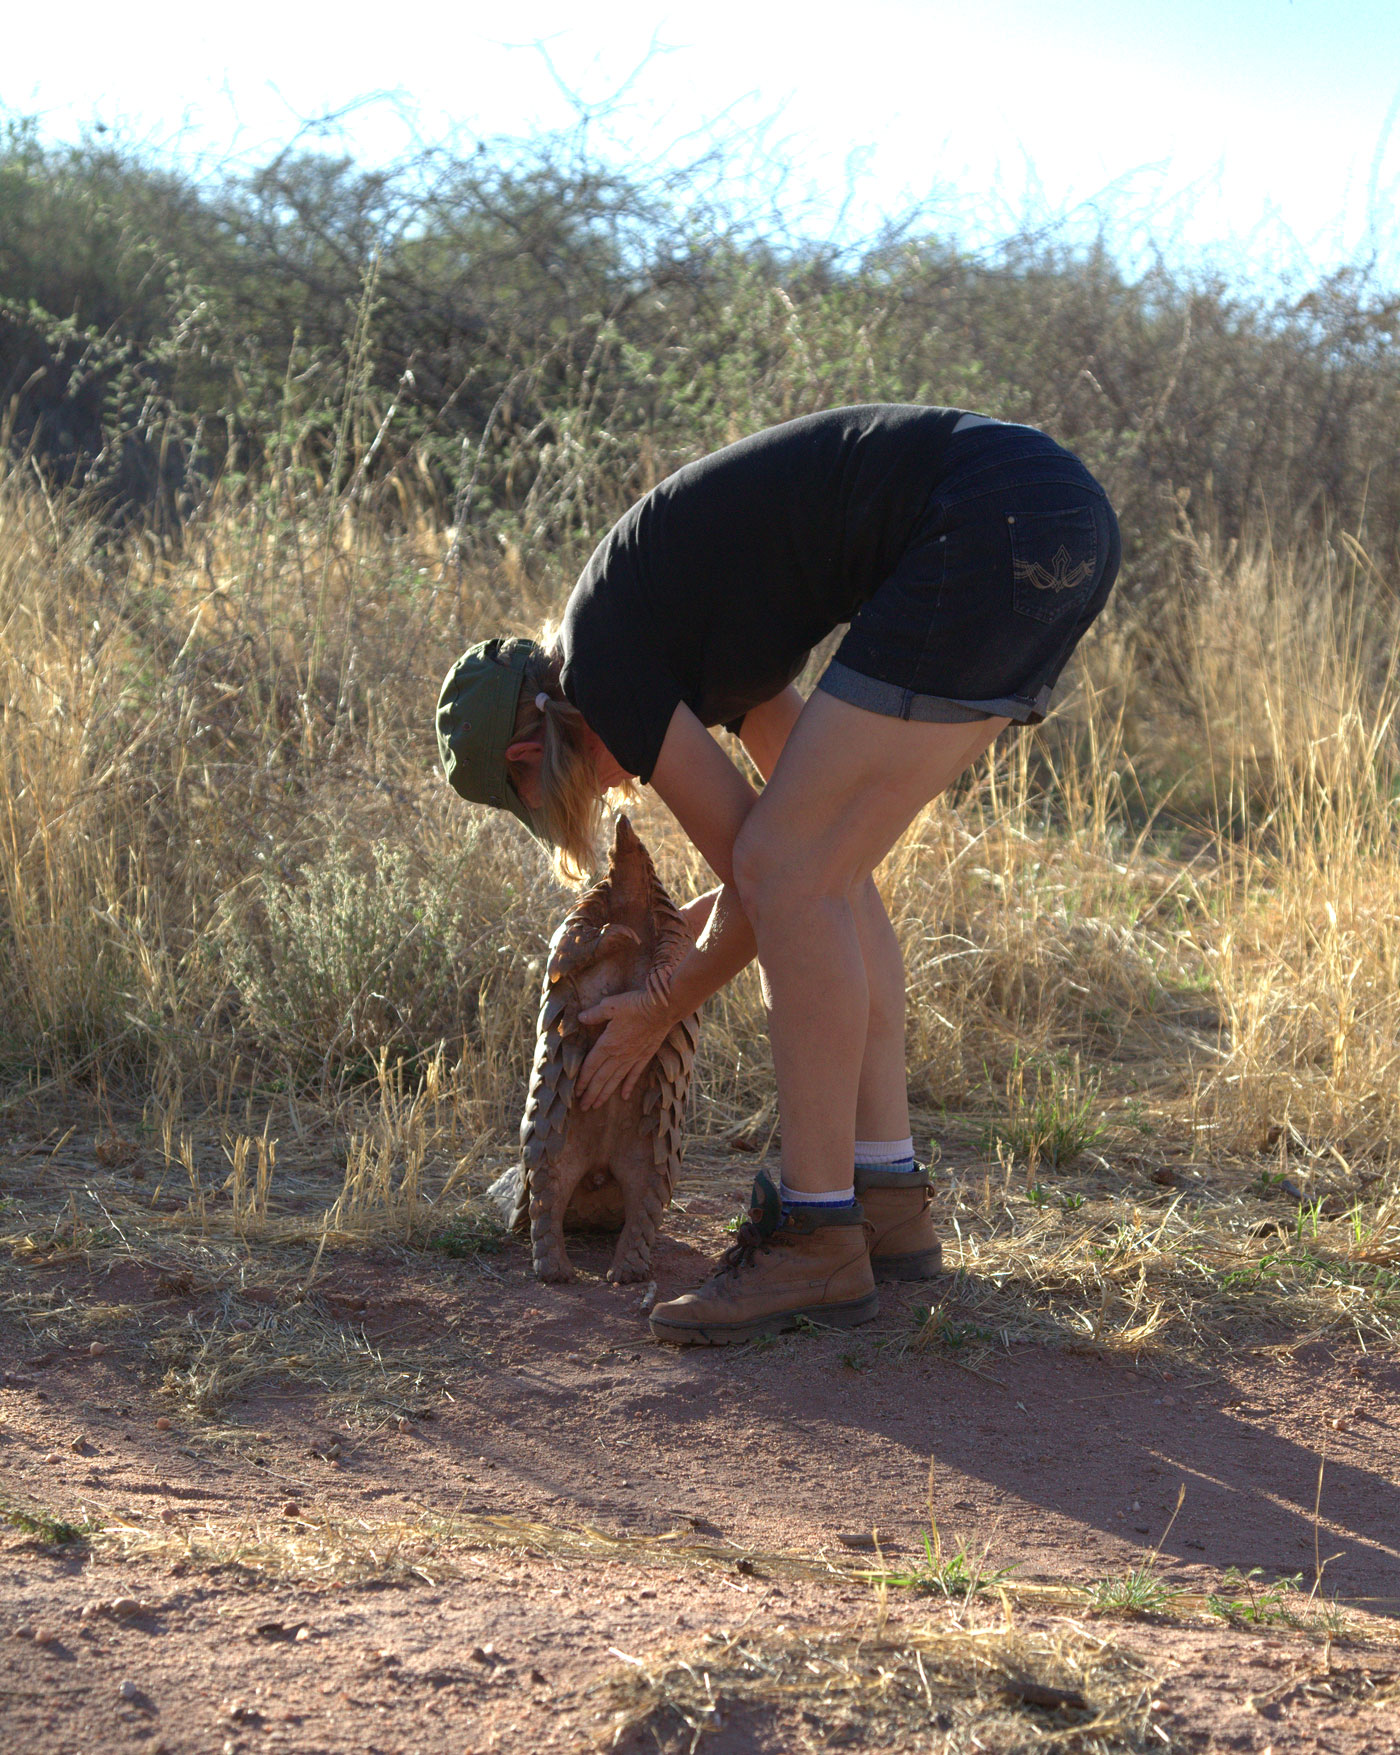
(1013, 558)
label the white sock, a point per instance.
(896, 1155)
(835, 1197)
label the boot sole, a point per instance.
(724, 1334)
(923, 1264)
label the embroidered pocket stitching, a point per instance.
(1063, 577)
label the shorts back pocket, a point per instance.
(1054, 561)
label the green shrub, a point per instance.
(360, 955)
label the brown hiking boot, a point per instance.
(781, 1266)
(903, 1244)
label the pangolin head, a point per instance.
(630, 879)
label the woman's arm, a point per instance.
(710, 799)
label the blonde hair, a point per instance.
(571, 806)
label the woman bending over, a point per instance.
(969, 556)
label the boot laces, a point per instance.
(750, 1240)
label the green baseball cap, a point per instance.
(476, 725)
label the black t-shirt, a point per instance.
(713, 589)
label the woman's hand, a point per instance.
(637, 1024)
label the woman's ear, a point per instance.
(524, 759)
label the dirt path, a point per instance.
(307, 1570)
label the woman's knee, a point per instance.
(769, 876)
(755, 868)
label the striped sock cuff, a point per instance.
(896, 1155)
(836, 1197)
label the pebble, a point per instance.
(291, 1509)
(45, 1636)
(163, 1424)
(128, 1690)
(169, 1514)
(97, 1349)
(24, 1631)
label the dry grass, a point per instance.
(1090, 1264)
(951, 1689)
(248, 935)
(318, 1546)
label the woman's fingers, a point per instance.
(606, 1075)
(623, 1051)
(600, 1074)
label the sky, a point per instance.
(1262, 128)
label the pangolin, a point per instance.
(613, 1167)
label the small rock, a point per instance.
(52, 1456)
(646, 1593)
(163, 1424)
(291, 1509)
(129, 1690)
(169, 1514)
(125, 1606)
(97, 1349)
(24, 1631)
(484, 1654)
(303, 1633)
(538, 1677)
(45, 1636)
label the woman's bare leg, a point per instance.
(882, 1094)
(846, 786)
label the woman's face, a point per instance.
(609, 772)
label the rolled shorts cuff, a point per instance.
(889, 698)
